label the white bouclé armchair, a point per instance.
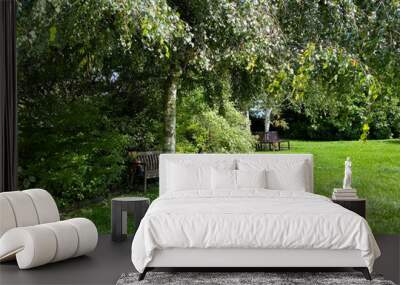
(31, 231)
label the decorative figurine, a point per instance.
(347, 174)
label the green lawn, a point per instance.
(376, 175)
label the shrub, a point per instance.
(201, 128)
(73, 151)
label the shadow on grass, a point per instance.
(393, 141)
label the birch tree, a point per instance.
(197, 36)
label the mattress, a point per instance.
(250, 219)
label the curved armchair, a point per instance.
(31, 231)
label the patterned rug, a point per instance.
(243, 278)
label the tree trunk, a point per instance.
(267, 121)
(248, 123)
(170, 112)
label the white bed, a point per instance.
(209, 222)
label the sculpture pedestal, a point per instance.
(344, 194)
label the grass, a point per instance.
(376, 176)
(100, 213)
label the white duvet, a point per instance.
(250, 219)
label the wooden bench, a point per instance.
(145, 165)
(271, 141)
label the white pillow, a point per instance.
(292, 179)
(223, 179)
(282, 174)
(184, 177)
(251, 178)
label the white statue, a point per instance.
(347, 174)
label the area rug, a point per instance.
(244, 278)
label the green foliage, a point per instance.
(349, 86)
(80, 82)
(93, 74)
(75, 153)
(203, 129)
(342, 64)
(205, 34)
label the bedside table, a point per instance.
(120, 208)
(358, 206)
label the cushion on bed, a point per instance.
(224, 179)
(186, 174)
(281, 175)
(292, 180)
(183, 178)
(251, 179)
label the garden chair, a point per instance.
(275, 143)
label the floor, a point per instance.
(110, 260)
(104, 266)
